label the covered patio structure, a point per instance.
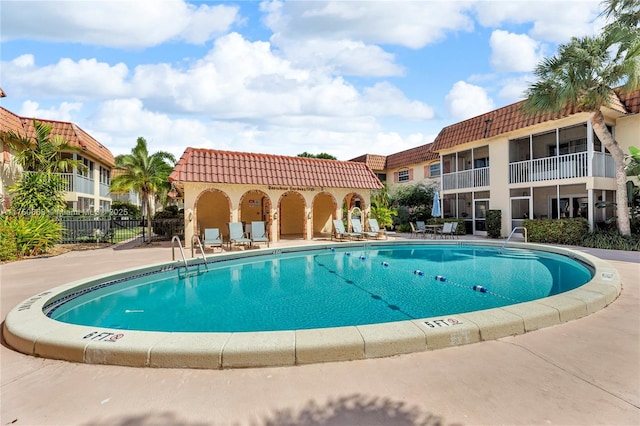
(296, 197)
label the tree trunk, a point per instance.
(600, 128)
(148, 197)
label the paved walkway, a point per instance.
(584, 372)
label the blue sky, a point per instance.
(277, 77)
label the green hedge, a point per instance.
(494, 223)
(557, 231)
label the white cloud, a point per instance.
(67, 78)
(551, 20)
(513, 52)
(514, 89)
(64, 112)
(466, 100)
(344, 37)
(346, 57)
(118, 123)
(410, 24)
(123, 23)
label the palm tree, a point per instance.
(146, 174)
(43, 152)
(587, 74)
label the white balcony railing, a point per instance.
(76, 183)
(549, 168)
(473, 178)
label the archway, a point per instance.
(291, 216)
(212, 210)
(353, 205)
(323, 212)
(255, 205)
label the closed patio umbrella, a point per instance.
(435, 210)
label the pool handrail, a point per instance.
(173, 252)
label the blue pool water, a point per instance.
(323, 288)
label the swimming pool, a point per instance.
(311, 304)
(335, 287)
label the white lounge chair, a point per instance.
(237, 235)
(212, 238)
(258, 233)
(375, 227)
(357, 228)
(341, 233)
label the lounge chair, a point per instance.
(454, 226)
(341, 233)
(258, 233)
(446, 230)
(357, 228)
(375, 227)
(237, 235)
(212, 238)
(415, 232)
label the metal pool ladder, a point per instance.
(513, 231)
(173, 251)
(196, 239)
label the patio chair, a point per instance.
(258, 233)
(446, 229)
(212, 238)
(454, 226)
(375, 227)
(357, 228)
(237, 235)
(415, 232)
(341, 233)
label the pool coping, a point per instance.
(28, 330)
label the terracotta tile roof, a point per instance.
(10, 122)
(511, 117)
(213, 166)
(631, 101)
(374, 161)
(76, 137)
(69, 131)
(493, 123)
(411, 156)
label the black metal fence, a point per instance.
(117, 229)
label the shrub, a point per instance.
(123, 208)
(557, 231)
(494, 223)
(33, 235)
(612, 240)
(8, 248)
(38, 193)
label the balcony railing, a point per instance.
(76, 183)
(561, 167)
(104, 190)
(473, 178)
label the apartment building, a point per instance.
(526, 166)
(87, 189)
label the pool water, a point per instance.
(324, 288)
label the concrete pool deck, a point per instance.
(585, 371)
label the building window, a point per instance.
(105, 176)
(87, 170)
(434, 170)
(382, 177)
(403, 175)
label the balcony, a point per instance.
(75, 183)
(567, 166)
(472, 178)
